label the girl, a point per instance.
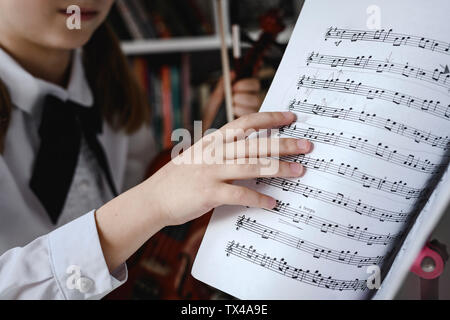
(73, 132)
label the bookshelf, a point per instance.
(185, 44)
(196, 43)
(179, 71)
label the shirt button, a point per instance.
(84, 284)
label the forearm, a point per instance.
(125, 223)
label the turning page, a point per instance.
(369, 82)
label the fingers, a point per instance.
(246, 97)
(257, 168)
(247, 85)
(240, 111)
(246, 101)
(266, 147)
(257, 121)
(238, 195)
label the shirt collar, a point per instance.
(28, 92)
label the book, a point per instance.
(172, 94)
(170, 17)
(142, 18)
(203, 13)
(186, 15)
(138, 19)
(155, 98)
(176, 97)
(369, 82)
(186, 91)
(129, 19)
(166, 102)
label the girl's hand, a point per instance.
(246, 99)
(181, 192)
(190, 186)
(246, 96)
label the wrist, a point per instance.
(125, 223)
(150, 205)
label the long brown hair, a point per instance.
(116, 91)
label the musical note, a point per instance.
(337, 200)
(317, 251)
(348, 172)
(432, 107)
(282, 267)
(387, 36)
(363, 146)
(436, 77)
(300, 216)
(373, 120)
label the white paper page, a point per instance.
(378, 115)
(426, 221)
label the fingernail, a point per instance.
(271, 203)
(304, 145)
(296, 168)
(288, 115)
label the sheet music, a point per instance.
(376, 105)
(417, 236)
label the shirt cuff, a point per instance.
(78, 263)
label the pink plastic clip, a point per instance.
(429, 264)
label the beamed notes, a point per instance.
(350, 231)
(349, 86)
(336, 199)
(361, 145)
(375, 103)
(374, 120)
(314, 278)
(439, 77)
(389, 36)
(346, 171)
(346, 257)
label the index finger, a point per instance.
(246, 85)
(260, 120)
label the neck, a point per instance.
(49, 64)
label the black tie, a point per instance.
(62, 126)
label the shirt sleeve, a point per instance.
(66, 264)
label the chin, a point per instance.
(71, 39)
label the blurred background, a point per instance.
(174, 48)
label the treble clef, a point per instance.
(239, 222)
(229, 248)
(328, 33)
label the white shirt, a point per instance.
(39, 260)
